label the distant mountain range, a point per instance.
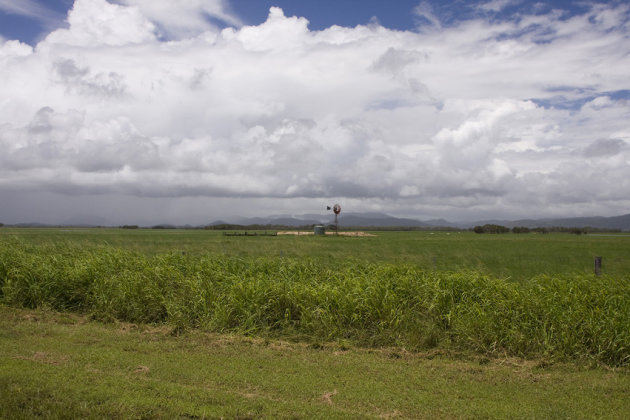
(381, 220)
(347, 219)
(385, 220)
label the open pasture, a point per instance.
(510, 256)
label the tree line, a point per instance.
(495, 229)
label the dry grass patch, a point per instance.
(298, 233)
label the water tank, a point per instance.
(319, 230)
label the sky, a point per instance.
(154, 111)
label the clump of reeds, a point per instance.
(372, 304)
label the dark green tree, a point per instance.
(491, 228)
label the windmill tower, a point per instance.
(336, 209)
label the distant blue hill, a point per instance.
(378, 220)
(375, 220)
(385, 220)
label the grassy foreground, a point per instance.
(61, 365)
(401, 325)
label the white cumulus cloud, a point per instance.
(186, 18)
(513, 117)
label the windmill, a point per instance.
(336, 209)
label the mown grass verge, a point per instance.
(61, 365)
(368, 304)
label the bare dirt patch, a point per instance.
(327, 397)
(298, 233)
(393, 415)
(47, 358)
(141, 369)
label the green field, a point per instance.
(511, 256)
(493, 305)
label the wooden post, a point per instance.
(598, 266)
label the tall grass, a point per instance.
(371, 304)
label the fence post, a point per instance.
(598, 266)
